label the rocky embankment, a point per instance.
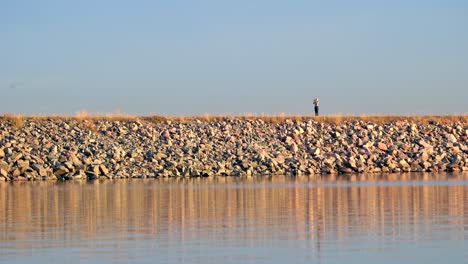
(90, 149)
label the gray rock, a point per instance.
(228, 147)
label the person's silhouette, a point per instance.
(316, 106)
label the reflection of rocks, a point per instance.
(66, 150)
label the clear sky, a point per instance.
(197, 57)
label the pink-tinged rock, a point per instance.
(360, 142)
(382, 146)
(463, 147)
(424, 156)
(424, 143)
(3, 171)
(165, 134)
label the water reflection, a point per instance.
(231, 219)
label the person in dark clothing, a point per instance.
(316, 106)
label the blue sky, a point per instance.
(233, 57)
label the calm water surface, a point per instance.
(401, 218)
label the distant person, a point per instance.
(316, 106)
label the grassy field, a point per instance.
(323, 119)
(337, 119)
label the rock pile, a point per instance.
(89, 149)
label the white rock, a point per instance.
(451, 138)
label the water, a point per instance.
(400, 218)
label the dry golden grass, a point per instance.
(81, 116)
(322, 119)
(18, 121)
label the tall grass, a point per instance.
(18, 121)
(322, 119)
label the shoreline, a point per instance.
(69, 148)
